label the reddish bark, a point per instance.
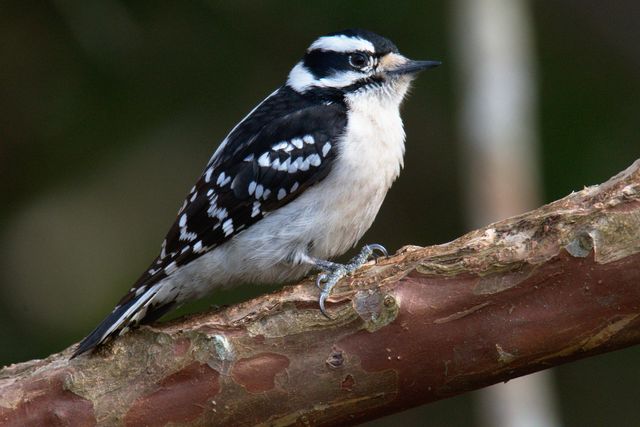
(547, 287)
(258, 373)
(180, 398)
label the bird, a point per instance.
(293, 185)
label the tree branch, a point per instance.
(551, 286)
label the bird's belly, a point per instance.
(325, 225)
(343, 218)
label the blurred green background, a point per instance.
(110, 109)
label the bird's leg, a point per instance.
(333, 272)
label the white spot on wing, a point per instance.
(280, 146)
(282, 193)
(293, 167)
(255, 210)
(171, 267)
(297, 142)
(308, 139)
(207, 174)
(294, 187)
(221, 178)
(227, 227)
(186, 235)
(325, 149)
(215, 212)
(264, 160)
(259, 191)
(314, 160)
(252, 187)
(183, 220)
(275, 164)
(222, 214)
(284, 166)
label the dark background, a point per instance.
(109, 110)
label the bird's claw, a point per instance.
(376, 247)
(322, 277)
(327, 281)
(323, 298)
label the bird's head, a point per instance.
(355, 62)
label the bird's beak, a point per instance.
(395, 64)
(412, 67)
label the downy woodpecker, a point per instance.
(295, 183)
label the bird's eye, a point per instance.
(358, 60)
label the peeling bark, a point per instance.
(544, 288)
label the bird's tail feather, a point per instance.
(125, 315)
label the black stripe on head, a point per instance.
(323, 63)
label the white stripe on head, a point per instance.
(301, 79)
(342, 43)
(340, 79)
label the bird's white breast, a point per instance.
(369, 160)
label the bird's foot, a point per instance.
(333, 272)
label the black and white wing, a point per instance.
(272, 157)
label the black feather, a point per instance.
(99, 334)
